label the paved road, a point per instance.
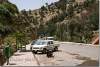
(69, 54)
(87, 50)
(22, 59)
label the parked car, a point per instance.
(56, 43)
(33, 42)
(43, 46)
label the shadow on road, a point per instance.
(39, 53)
(12, 63)
(90, 63)
(25, 50)
(58, 51)
(18, 54)
(82, 58)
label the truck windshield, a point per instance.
(33, 42)
(40, 42)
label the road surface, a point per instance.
(69, 54)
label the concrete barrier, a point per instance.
(78, 43)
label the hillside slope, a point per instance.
(68, 20)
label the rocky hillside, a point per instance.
(70, 20)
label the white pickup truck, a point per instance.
(56, 43)
(44, 45)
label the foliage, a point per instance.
(7, 12)
(94, 20)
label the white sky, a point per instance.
(31, 4)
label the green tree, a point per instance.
(7, 12)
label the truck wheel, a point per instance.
(44, 51)
(56, 49)
(49, 54)
(34, 52)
